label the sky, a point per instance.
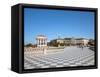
(57, 23)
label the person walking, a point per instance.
(82, 47)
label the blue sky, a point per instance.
(54, 23)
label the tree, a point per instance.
(62, 44)
(29, 45)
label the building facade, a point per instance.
(82, 41)
(70, 41)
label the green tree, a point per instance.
(29, 45)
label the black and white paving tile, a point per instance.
(71, 56)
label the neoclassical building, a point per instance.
(71, 41)
(41, 41)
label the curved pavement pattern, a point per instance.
(71, 56)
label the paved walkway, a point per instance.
(71, 56)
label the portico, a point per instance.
(41, 41)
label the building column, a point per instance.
(44, 42)
(40, 42)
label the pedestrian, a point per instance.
(82, 47)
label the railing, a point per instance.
(30, 50)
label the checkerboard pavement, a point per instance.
(71, 56)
